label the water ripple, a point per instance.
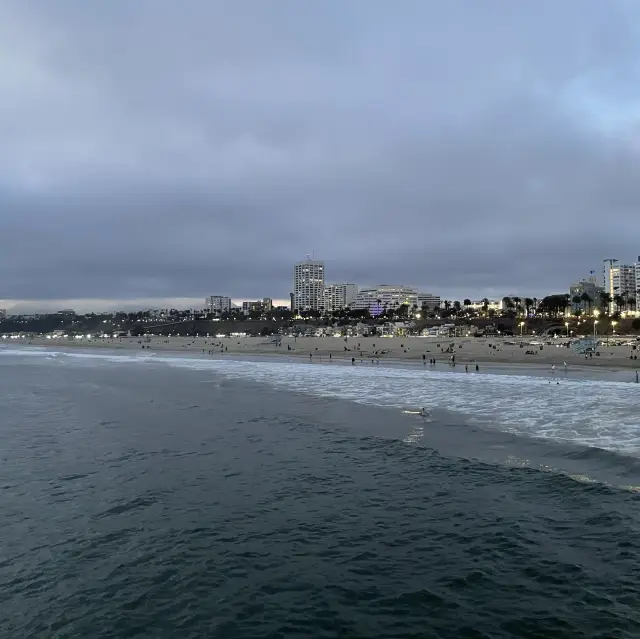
(263, 514)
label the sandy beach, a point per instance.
(418, 350)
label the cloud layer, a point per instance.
(159, 150)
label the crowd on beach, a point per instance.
(433, 351)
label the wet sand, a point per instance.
(495, 353)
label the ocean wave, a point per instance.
(600, 414)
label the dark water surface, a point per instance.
(153, 502)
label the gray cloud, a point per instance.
(471, 149)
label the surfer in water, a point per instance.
(423, 412)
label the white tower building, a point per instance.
(308, 285)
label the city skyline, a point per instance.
(463, 149)
(328, 285)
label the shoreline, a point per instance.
(605, 368)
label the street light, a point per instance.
(595, 323)
(521, 328)
(566, 324)
(613, 325)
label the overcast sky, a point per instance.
(165, 149)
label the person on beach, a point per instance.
(553, 370)
(636, 377)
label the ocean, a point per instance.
(156, 496)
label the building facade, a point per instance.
(491, 305)
(586, 287)
(339, 296)
(263, 306)
(620, 280)
(308, 285)
(637, 295)
(385, 296)
(428, 301)
(218, 304)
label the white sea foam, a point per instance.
(590, 412)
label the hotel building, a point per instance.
(385, 296)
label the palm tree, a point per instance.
(447, 305)
(618, 300)
(509, 305)
(605, 302)
(586, 298)
(577, 300)
(467, 302)
(485, 304)
(528, 303)
(457, 306)
(516, 302)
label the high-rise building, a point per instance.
(218, 304)
(637, 295)
(620, 282)
(308, 285)
(339, 296)
(385, 296)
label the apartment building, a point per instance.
(339, 296)
(308, 285)
(218, 304)
(263, 306)
(620, 279)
